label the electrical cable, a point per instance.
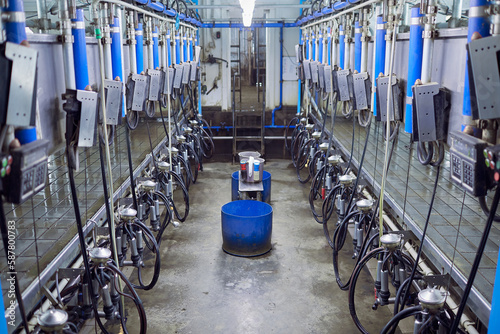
(477, 260)
(424, 233)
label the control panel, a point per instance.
(468, 166)
(25, 171)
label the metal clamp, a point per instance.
(429, 34)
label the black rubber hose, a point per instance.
(424, 233)
(11, 265)
(294, 121)
(477, 260)
(131, 168)
(315, 190)
(83, 246)
(400, 316)
(352, 287)
(400, 291)
(167, 218)
(302, 159)
(157, 265)
(186, 198)
(425, 154)
(135, 297)
(484, 207)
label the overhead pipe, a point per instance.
(281, 78)
(414, 62)
(80, 51)
(254, 25)
(177, 48)
(478, 22)
(139, 48)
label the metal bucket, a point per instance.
(266, 182)
(246, 228)
(248, 154)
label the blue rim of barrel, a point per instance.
(247, 234)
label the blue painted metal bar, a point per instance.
(299, 93)
(177, 48)
(357, 46)
(414, 62)
(190, 48)
(156, 55)
(80, 51)
(15, 29)
(341, 45)
(379, 55)
(477, 23)
(199, 81)
(139, 50)
(169, 49)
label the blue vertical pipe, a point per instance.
(156, 55)
(329, 46)
(139, 50)
(379, 55)
(414, 62)
(190, 48)
(479, 23)
(80, 51)
(169, 49)
(341, 45)
(320, 47)
(199, 81)
(313, 46)
(16, 31)
(116, 54)
(357, 46)
(184, 48)
(177, 48)
(281, 78)
(307, 48)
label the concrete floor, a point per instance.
(292, 289)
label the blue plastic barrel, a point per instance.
(266, 182)
(246, 228)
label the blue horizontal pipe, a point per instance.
(156, 6)
(357, 47)
(415, 54)
(156, 55)
(139, 50)
(341, 46)
(80, 53)
(379, 55)
(16, 31)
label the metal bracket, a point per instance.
(362, 90)
(344, 80)
(86, 134)
(113, 90)
(314, 71)
(437, 280)
(178, 76)
(484, 77)
(186, 73)
(307, 69)
(327, 72)
(321, 75)
(70, 273)
(194, 71)
(154, 84)
(137, 92)
(167, 86)
(406, 236)
(396, 107)
(429, 112)
(22, 85)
